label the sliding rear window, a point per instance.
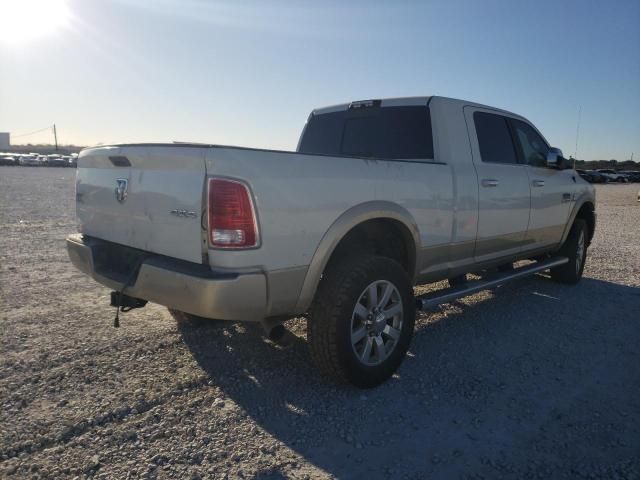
(372, 132)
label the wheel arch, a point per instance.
(584, 209)
(359, 220)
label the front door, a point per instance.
(503, 184)
(551, 189)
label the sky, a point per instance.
(248, 73)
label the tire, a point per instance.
(344, 344)
(187, 320)
(620, 180)
(574, 248)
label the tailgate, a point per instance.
(146, 197)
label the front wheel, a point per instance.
(575, 249)
(361, 321)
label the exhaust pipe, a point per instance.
(277, 333)
(275, 330)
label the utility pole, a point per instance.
(55, 136)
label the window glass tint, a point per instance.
(361, 136)
(323, 134)
(494, 138)
(534, 148)
(377, 132)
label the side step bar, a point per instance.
(433, 299)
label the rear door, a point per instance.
(145, 197)
(503, 183)
(551, 189)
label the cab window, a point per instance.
(534, 148)
(494, 138)
(373, 132)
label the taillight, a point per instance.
(232, 220)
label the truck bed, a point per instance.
(298, 197)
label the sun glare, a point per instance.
(26, 20)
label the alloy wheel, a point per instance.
(376, 322)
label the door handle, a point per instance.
(489, 182)
(538, 183)
(567, 197)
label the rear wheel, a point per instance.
(575, 249)
(361, 320)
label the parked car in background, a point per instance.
(632, 175)
(8, 160)
(30, 161)
(73, 160)
(614, 176)
(57, 161)
(592, 176)
(585, 175)
(597, 177)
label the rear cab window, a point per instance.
(394, 132)
(494, 138)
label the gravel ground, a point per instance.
(532, 380)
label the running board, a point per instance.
(433, 299)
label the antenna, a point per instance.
(575, 154)
(55, 136)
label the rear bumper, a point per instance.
(177, 284)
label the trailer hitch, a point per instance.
(124, 303)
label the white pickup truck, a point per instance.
(381, 195)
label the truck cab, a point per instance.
(512, 192)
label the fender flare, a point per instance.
(586, 197)
(376, 209)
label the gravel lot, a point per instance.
(533, 380)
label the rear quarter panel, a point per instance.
(299, 197)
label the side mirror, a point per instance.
(555, 158)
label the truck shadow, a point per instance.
(510, 381)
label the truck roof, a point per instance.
(403, 102)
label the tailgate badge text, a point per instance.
(183, 213)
